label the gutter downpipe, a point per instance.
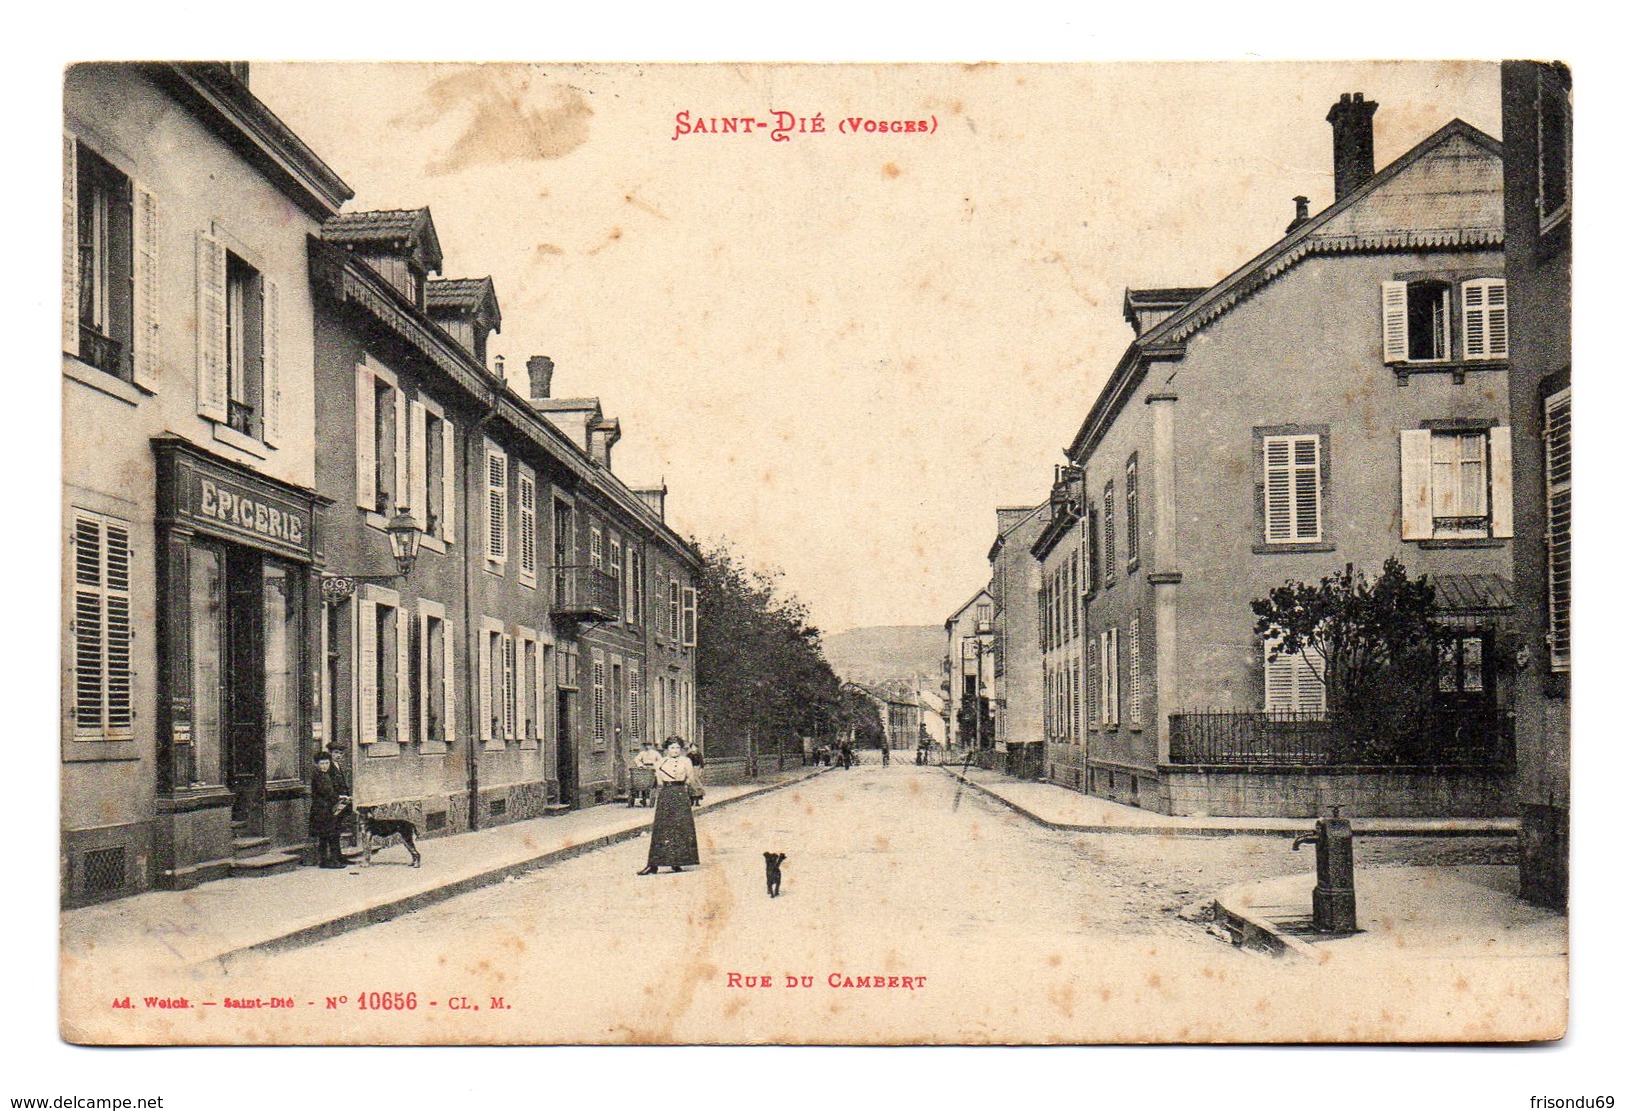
(471, 440)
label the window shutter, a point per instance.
(70, 243)
(87, 625)
(1094, 682)
(421, 672)
(540, 692)
(1311, 689)
(367, 669)
(484, 666)
(366, 441)
(417, 463)
(271, 337)
(1501, 481)
(1484, 318)
(146, 362)
(1415, 484)
(1396, 337)
(447, 643)
(634, 704)
(1559, 478)
(691, 616)
(211, 318)
(510, 679)
(1278, 488)
(403, 675)
(120, 713)
(449, 470)
(1279, 689)
(496, 516)
(399, 495)
(527, 526)
(1306, 487)
(1134, 670)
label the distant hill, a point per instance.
(886, 652)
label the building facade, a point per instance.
(1013, 584)
(1537, 119)
(258, 390)
(968, 673)
(1338, 400)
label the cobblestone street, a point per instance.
(997, 924)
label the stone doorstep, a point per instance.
(266, 864)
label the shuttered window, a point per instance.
(634, 703)
(1108, 678)
(1455, 483)
(527, 528)
(1131, 511)
(1293, 683)
(1108, 537)
(1292, 489)
(496, 506)
(598, 705)
(102, 675)
(1134, 670)
(1559, 476)
(1484, 318)
(691, 616)
(510, 687)
(1094, 681)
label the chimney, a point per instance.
(541, 376)
(654, 497)
(601, 438)
(1302, 217)
(1353, 161)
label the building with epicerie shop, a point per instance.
(189, 474)
(1339, 399)
(258, 391)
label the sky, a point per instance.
(843, 351)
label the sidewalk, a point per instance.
(1403, 913)
(217, 920)
(1061, 808)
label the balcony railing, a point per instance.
(100, 351)
(1439, 736)
(585, 594)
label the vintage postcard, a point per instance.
(815, 554)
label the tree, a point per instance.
(1371, 642)
(759, 664)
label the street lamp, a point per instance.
(405, 537)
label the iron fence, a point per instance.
(1439, 736)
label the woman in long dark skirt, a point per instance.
(672, 842)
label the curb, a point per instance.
(1254, 934)
(418, 900)
(1366, 827)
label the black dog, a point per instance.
(773, 874)
(385, 828)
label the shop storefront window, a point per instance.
(207, 607)
(282, 625)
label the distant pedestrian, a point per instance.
(329, 801)
(643, 775)
(885, 755)
(696, 775)
(673, 843)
